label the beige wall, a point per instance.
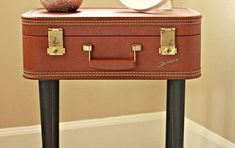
(210, 100)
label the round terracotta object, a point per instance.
(61, 5)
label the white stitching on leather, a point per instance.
(110, 74)
(111, 22)
(59, 72)
(96, 75)
(84, 24)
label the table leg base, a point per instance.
(175, 114)
(49, 106)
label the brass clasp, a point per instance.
(55, 42)
(168, 43)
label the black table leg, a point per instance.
(49, 105)
(175, 114)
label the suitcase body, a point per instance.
(112, 44)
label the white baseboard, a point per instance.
(74, 125)
(137, 131)
(210, 136)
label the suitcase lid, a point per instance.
(112, 22)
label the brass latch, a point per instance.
(55, 42)
(168, 45)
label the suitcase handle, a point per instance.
(109, 64)
(112, 65)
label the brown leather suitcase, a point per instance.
(112, 44)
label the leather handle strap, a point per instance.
(112, 64)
